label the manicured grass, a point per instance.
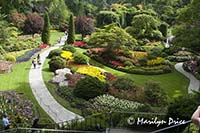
(18, 80)
(55, 37)
(174, 83)
(47, 75)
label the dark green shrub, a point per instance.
(80, 58)
(184, 106)
(69, 48)
(154, 94)
(89, 87)
(55, 52)
(128, 63)
(56, 63)
(123, 83)
(143, 61)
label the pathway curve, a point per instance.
(56, 111)
(194, 83)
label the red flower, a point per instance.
(43, 46)
(117, 63)
(79, 44)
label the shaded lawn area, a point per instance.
(18, 80)
(47, 75)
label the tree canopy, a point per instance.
(187, 34)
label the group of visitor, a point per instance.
(36, 61)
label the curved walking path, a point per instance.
(194, 83)
(56, 111)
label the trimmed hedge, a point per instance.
(69, 48)
(55, 52)
(80, 58)
(56, 63)
(89, 87)
(161, 69)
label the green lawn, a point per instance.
(174, 83)
(55, 37)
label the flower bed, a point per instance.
(43, 46)
(67, 55)
(92, 71)
(80, 44)
(110, 103)
(27, 56)
(19, 111)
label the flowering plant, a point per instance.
(116, 63)
(67, 55)
(92, 71)
(79, 44)
(43, 46)
(107, 102)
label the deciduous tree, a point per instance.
(84, 25)
(33, 24)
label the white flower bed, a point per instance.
(108, 102)
(60, 77)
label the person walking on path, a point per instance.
(5, 122)
(34, 62)
(38, 59)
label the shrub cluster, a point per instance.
(146, 70)
(55, 52)
(89, 87)
(69, 48)
(181, 58)
(80, 58)
(56, 63)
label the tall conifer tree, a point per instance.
(46, 29)
(71, 34)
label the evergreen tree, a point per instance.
(46, 31)
(71, 35)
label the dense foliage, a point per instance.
(187, 33)
(56, 63)
(84, 25)
(89, 87)
(184, 106)
(33, 24)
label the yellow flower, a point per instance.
(92, 71)
(67, 55)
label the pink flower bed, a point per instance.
(79, 44)
(97, 49)
(116, 63)
(43, 46)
